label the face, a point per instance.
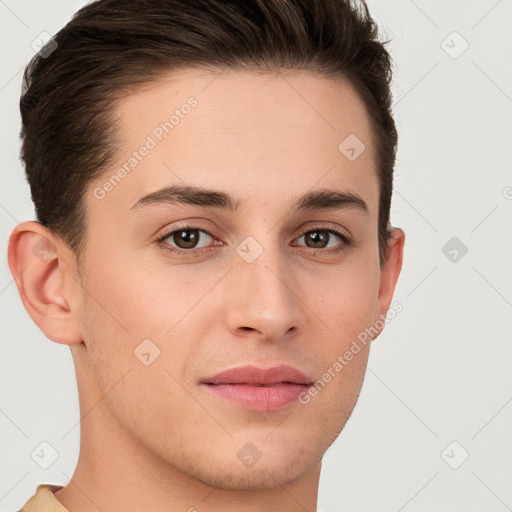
(183, 287)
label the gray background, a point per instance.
(439, 383)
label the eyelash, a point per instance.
(345, 239)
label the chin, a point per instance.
(267, 473)
(221, 468)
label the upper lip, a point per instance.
(253, 375)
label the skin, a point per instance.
(151, 437)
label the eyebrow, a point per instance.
(323, 199)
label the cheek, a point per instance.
(348, 306)
(136, 381)
(136, 315)
(136, 301)
(148, 401)
(350, 310)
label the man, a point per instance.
(212, 181)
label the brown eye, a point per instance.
(321, 238)
(186, 239)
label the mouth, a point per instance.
(257, 388)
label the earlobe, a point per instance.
(36, 263)
(390, 272)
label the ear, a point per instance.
(389, 276)
(42, 269)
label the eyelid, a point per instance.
(345, 238)
(187, 227)
(325, 226)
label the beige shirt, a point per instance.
(44, 500)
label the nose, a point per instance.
(262, 302)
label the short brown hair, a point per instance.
(112, 46)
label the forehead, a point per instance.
(264, 134)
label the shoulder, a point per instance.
(44, 500)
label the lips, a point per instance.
(254, 376)
(259, 389)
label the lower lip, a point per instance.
(259, 398)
